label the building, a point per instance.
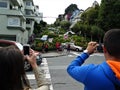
(39, 15)
(77, 14)
(95, 3)
(17, 19)
(75, 17)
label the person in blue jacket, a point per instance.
(104, 76)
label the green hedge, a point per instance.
(78, 40)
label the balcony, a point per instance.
(12, 13)
(30, 8)
(16, 2)
(16, 27)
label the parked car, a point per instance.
(27, 66)
(73, 47)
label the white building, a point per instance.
(17, 19)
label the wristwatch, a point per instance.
(85, 51)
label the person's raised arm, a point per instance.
(75, 69)
(40, 78)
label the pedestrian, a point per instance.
(61, 47)
(68, 48)
(13, 76)
(104, 76)
(57, 46)
(43, 47)
(46, 47)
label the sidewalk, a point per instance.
(52, 54)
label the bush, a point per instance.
(78, 40)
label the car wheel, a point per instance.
(77, 49)
(27, 66)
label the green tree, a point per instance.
(43, 23)
(90, 16)
(57, 22)
(65, 25)
(39, 27)
(71, 8)
(97, 33)
(109, 14)
(81, 29)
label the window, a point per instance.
(28, 3)
(13, 21)
(28, 12)
(28, 21)
(3, 4)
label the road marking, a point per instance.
(95, 54)
(70, 55)
(30, 76)
(75, 53)
(44, 67)
(46, 70)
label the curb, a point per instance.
(50, 56)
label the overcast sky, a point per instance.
(52, 8)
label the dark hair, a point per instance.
(111, 42)
(12, 73)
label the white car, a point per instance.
(73, 46)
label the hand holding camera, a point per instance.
(26, 49)
(91, 47)
(30, 55)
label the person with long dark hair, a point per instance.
(12, 73)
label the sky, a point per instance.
(52, 8)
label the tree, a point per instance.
(81, 29)
(65, 25)
(57, 22)
(42, 23)
(109, 14)
(97, 32)
(90, 16)
(77, 28)
(39, 27)
(70, 9)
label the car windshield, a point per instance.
(71, 43)
(19, 46)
